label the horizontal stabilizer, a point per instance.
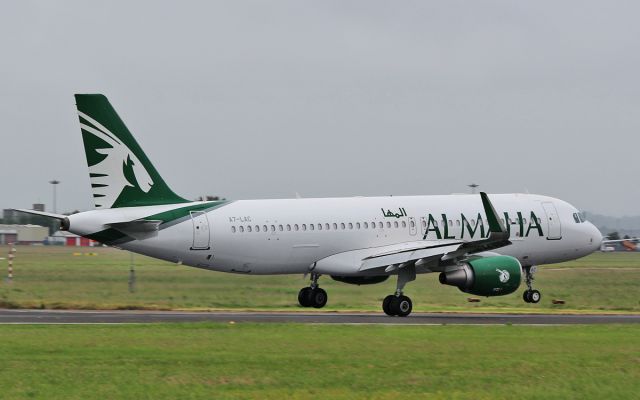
(42, 214)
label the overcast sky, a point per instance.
(330, 98)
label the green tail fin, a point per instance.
(121, 174)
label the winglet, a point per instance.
(495, 225)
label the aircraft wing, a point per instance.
(426, 253)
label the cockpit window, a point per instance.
(578, 218)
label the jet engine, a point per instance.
(485, 276)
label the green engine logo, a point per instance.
(504, 275)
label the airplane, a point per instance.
(484, 245)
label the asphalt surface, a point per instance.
(118, 317)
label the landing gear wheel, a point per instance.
(318, 298)
(526, 296)
(534, 296)
(400, 306)
(404, 306)
(304, 297)
(386, 305)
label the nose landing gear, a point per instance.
(530, 295)
(313, 295)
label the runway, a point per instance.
(120, 317)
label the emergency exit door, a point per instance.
(201, 234)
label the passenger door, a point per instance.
(201, 234)
(554, 228)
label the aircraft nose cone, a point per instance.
(594, 236)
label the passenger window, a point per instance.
(319, 227)
(233, 229)
(457, 222)
(450, 223)
(395, 224)
(295, 227)
(304, 227)
(473, 221)
(366, 225)
(404, 224)
(288, 228)
(273, 228)
(373, 225)
(280, 228)
(335, 226)
(249, 228)
(311, 227)
(326, 226)
(424, 223)
(342, 225)
(412, 224)
(257, 228)
(241, 228)
(380, 225)
(524, 221)
(357, 225)
(350, 225)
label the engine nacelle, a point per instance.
(360, 280)
(486, 276)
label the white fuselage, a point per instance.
(293, 235)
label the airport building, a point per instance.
(23, 234)
(63, 238)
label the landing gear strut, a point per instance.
(530, 295)
(399, 304)
(313, 295)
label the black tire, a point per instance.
(404, 306)
(318, 298)
(535, 296)
(304, 297)
(386, 303)
(526, 296)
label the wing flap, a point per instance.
(399, 257)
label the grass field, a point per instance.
(276, 361)
(52, 277)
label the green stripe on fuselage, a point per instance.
(169, 218)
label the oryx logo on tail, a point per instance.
(121, 174)
(115, 165)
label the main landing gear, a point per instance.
(313, 295)
(530, 295)
(398, 304)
